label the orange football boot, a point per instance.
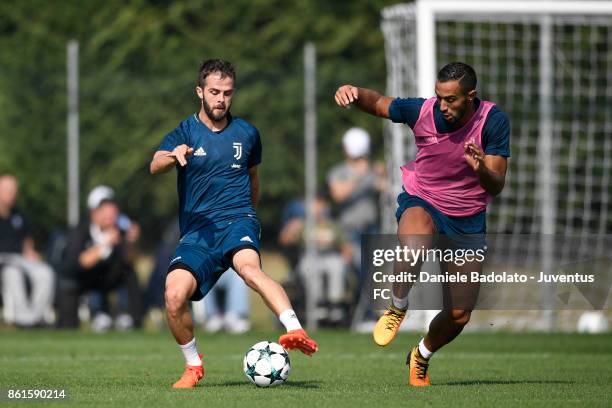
(191, 376)
(417, 366)
(298, 339)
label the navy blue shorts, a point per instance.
(208, 252)
(460, 232)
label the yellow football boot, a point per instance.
(387, 326)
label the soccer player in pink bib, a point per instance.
(462, 150)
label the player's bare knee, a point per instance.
(252, 276)
(461, 317)
(415, 221)
(424, 222)
(254, 280)
(175, 299)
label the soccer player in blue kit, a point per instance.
(216, 156)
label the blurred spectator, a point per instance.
(325, 277)
(292, 221)
(21, 264)
(99, 259)
(354, 186)
(233, 315)
(98, 301)
(154, 294)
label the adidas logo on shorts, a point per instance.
(246, 239)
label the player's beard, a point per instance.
(210, 113)
(455, 118)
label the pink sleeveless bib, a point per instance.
(440, 174)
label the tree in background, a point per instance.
(138, 67)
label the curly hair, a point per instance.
(209, 66)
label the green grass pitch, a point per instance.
(136, 370)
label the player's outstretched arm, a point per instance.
(164, 160)
(365, 99)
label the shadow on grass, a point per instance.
(288, 384)
(505, 382)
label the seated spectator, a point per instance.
(292, 221)
(98, 301)
(21, 265)
(99, 259)
(324, 277)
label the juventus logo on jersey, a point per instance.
(237, 150)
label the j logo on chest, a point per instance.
(237, 150)
(237, 154)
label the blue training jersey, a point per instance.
(215, 184)
(495, 133)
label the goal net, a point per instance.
(550, 69)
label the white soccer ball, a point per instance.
(592, 322)
(267, 364)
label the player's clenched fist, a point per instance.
(346, 94)
(180, 153)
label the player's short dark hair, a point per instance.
(459, 71)
(210, 66)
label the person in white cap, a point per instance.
(97, 260)
(99, 194)
(354, 186)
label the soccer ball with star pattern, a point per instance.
(267, 364)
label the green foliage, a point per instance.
(138, 66)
